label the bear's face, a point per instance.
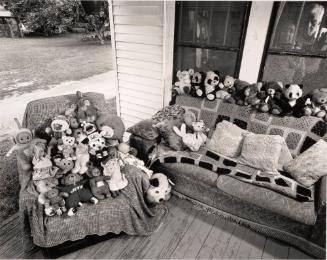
(196, 78)
(229, 82)
(72, 178)
(64, 164)
(293, 91)
(68, 140)
(184, 77)
(319, 96)
(211, 79)
(45, 185)
(60, 124)
(95, 172)
(52, 193)
(160, 188)
(199, 126)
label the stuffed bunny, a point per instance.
(192, 141)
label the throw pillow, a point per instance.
(227, 139)
(144, 129)
(284, 157)
(310, 165)
(261, 152)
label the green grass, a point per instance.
(32, 63)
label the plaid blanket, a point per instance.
(282, 183)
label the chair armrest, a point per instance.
(143, 146)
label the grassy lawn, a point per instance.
(38, 62)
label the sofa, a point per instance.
(126, 213)
(199, 178)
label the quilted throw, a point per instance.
(282, 182)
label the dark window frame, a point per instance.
(281, 52)
(239, 50)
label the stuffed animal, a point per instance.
(237, 96)
(129, 158)
(251, 95)
(288, 101)
(226, 88)
(59, 128)
(79, 135)
(67, 147)
(73, 123)
(160, 189)
(82, 158)
(191, 140)
(99, 185)
(76, 193)
(71, 111)
(199, 130)
(86, 112)
(42, 187)
(316, 103)
(42, 165)
(107, 122)
(88, 128)
(22, 139)
(111, 167)
(55, 201)
(211, 82)
(64, 165)
(96, 143)
(183, 85)
(197, 84)
(269, 96)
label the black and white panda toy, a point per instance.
(211, 82)
(197, 84)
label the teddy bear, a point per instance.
(199, 130)
(269, 95)
(64, 165)
(42, 187)
(75, 192)
(86, 112)
(55, 201)
(191, 140)
(183, 85)
(292, 93)
(160, 189)
(127, 155)
(237, 96)
(67, 148)
(71, 111)
(316, 103)
(105, 122)
(58, 128)
(226, 88)
(99, 185)
(211, 82)
(111, 167)
(197, 83)
(23, 138)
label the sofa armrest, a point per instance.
(144, 147)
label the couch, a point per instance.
(198, 178)
(126, 213)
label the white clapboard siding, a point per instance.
(139, 47)
(140, 72)
(145, 65)
(137, 27)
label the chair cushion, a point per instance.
(303, 212)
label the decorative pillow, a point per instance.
(262, 152)
(145, 129)
(165, 129)
(284, 157)
(227, 139)
(309, 166)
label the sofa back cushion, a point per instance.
(299, 133)
(38, 112)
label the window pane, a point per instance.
(213, 22)
(300, 26)
(206, 59)
(288, 69)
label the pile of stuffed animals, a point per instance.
(79, 158)
(270, 97)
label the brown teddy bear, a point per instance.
(98, 184)
(316, 103)
(64, 165)
(75, 192)
(55, 201)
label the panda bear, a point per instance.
(197, 87)
(291, 98)
(211, 82)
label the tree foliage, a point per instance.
(46, 16)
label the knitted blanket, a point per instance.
(126, 213)
(282, 183)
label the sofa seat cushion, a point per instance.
(303, 212)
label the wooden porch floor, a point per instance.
(187, 233)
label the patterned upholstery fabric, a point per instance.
(299, 133)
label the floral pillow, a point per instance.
(227, 139)
(310, 165)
